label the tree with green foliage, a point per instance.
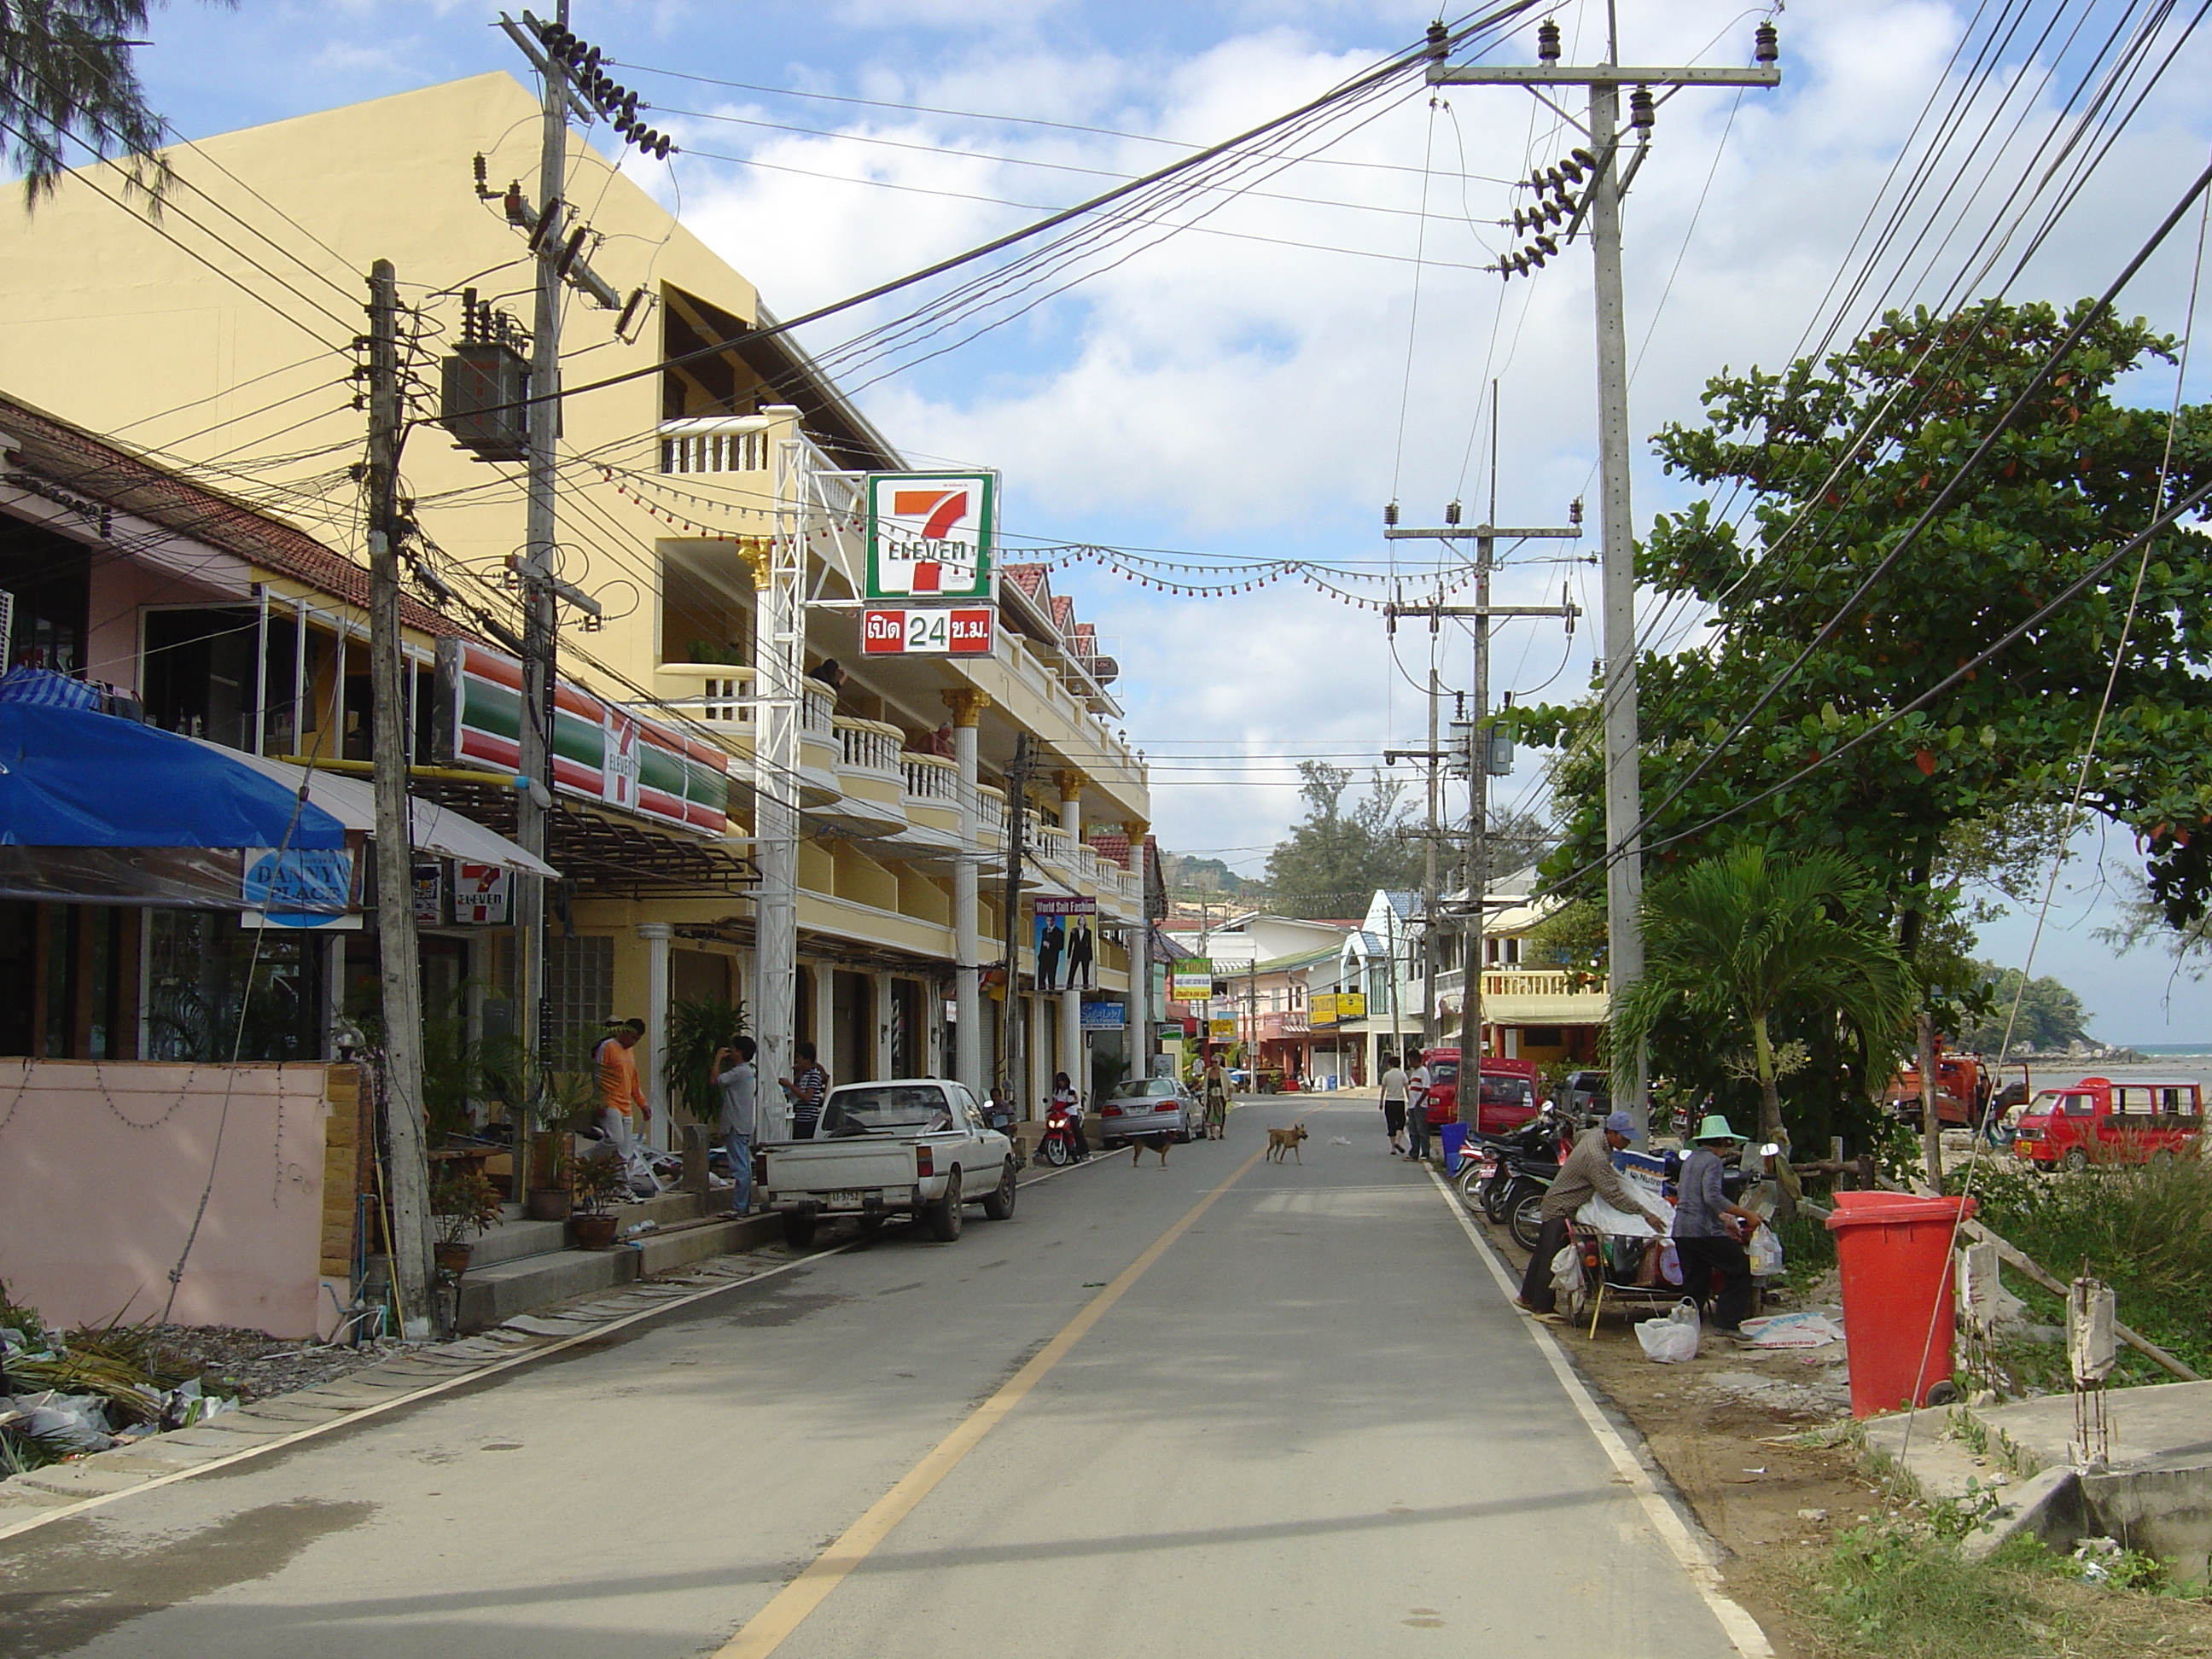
(1734, 940)
(1335, 857)
(2051, 1015)
(1977, 777)
(66, 73)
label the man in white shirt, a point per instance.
(740, 1087)
(1394, 1106)
(1416, 1106)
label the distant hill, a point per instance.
(1185, 874)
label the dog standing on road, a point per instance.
(1157, 1143)
(1283, 1142)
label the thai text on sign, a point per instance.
(958, 631)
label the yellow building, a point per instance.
(220, 339)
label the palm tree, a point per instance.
(66, 72)
(1739, 936)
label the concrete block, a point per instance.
(2047, 1506)
(2164, 1510)
(508, 1288)
(80, 1480)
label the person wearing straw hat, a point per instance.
(1710, 1232)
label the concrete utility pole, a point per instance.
(1429, 879)
(399, 966)
(1600, 209)
(534, 801)
(1486, 537)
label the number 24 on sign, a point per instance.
(952, 631)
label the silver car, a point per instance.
(1144, 1106)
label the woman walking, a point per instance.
(1216, 1100)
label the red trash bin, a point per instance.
(1894, 1250)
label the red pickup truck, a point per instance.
(1508, 1099)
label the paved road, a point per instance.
(1240, 1452)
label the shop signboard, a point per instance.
(1064, 944)
(430, 894)
(602, 753)
(298, 887)
(934, 631)
(930, 535)
(483, 894)
(1328, 1008)
(1218, 1029)
(1104, 1015)
(1191, 980)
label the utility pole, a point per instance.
(1599, 209)
(399, 966)
(534, 800)
(1486, 537)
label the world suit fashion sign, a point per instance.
(1066, 943)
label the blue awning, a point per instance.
(74, 777)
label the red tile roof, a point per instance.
(64, 454)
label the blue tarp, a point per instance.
(73, 777)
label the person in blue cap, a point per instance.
(1587, 1172)
(1710, 1232)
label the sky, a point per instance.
(1324, 341)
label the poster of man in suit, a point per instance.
(1064, 944)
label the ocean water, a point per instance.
(2190, 1049)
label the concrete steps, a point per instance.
(521, 1265)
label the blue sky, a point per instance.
(1264, 385)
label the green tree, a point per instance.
(1335, 857)
(1967, 787)
(66, 72)
(1733, 941)
(2051, 1015)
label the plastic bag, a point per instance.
(64, 1422)
(1567, 1271)
(1765, 1252)
(1673, 1339)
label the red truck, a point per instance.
(1508, 1099)
(2097, 1120)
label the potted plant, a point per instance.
(464, 1203)
(543, 1092)
(595, 1183)
(697, 1031)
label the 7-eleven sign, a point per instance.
(930, 535)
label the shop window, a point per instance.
(198, 675)
(50, 579)
(217, 990)
(580, 985)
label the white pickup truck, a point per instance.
(913, 1145)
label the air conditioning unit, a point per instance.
(483, 387)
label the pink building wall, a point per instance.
(102, 1164)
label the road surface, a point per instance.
(1229, 1407)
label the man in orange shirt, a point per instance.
(619, 1089)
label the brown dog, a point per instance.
(1282, 1141)
(1157, 1143)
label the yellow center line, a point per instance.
(767, 1630)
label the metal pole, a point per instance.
(534, 797)
(1011, 1050)
(1429, 880)
(1477, 852)
(781, 714)
(399, 965)
(1624, 882)
(967, 706)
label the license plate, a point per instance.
(842, 1200)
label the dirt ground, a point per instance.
(1754, 1441)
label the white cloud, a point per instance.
(1245, 396)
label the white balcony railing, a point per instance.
(869, 746)
(932, 777)
(990, 815)
(819, 704)
(1055, 845)
(738, 445)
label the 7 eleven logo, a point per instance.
(929, 535)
